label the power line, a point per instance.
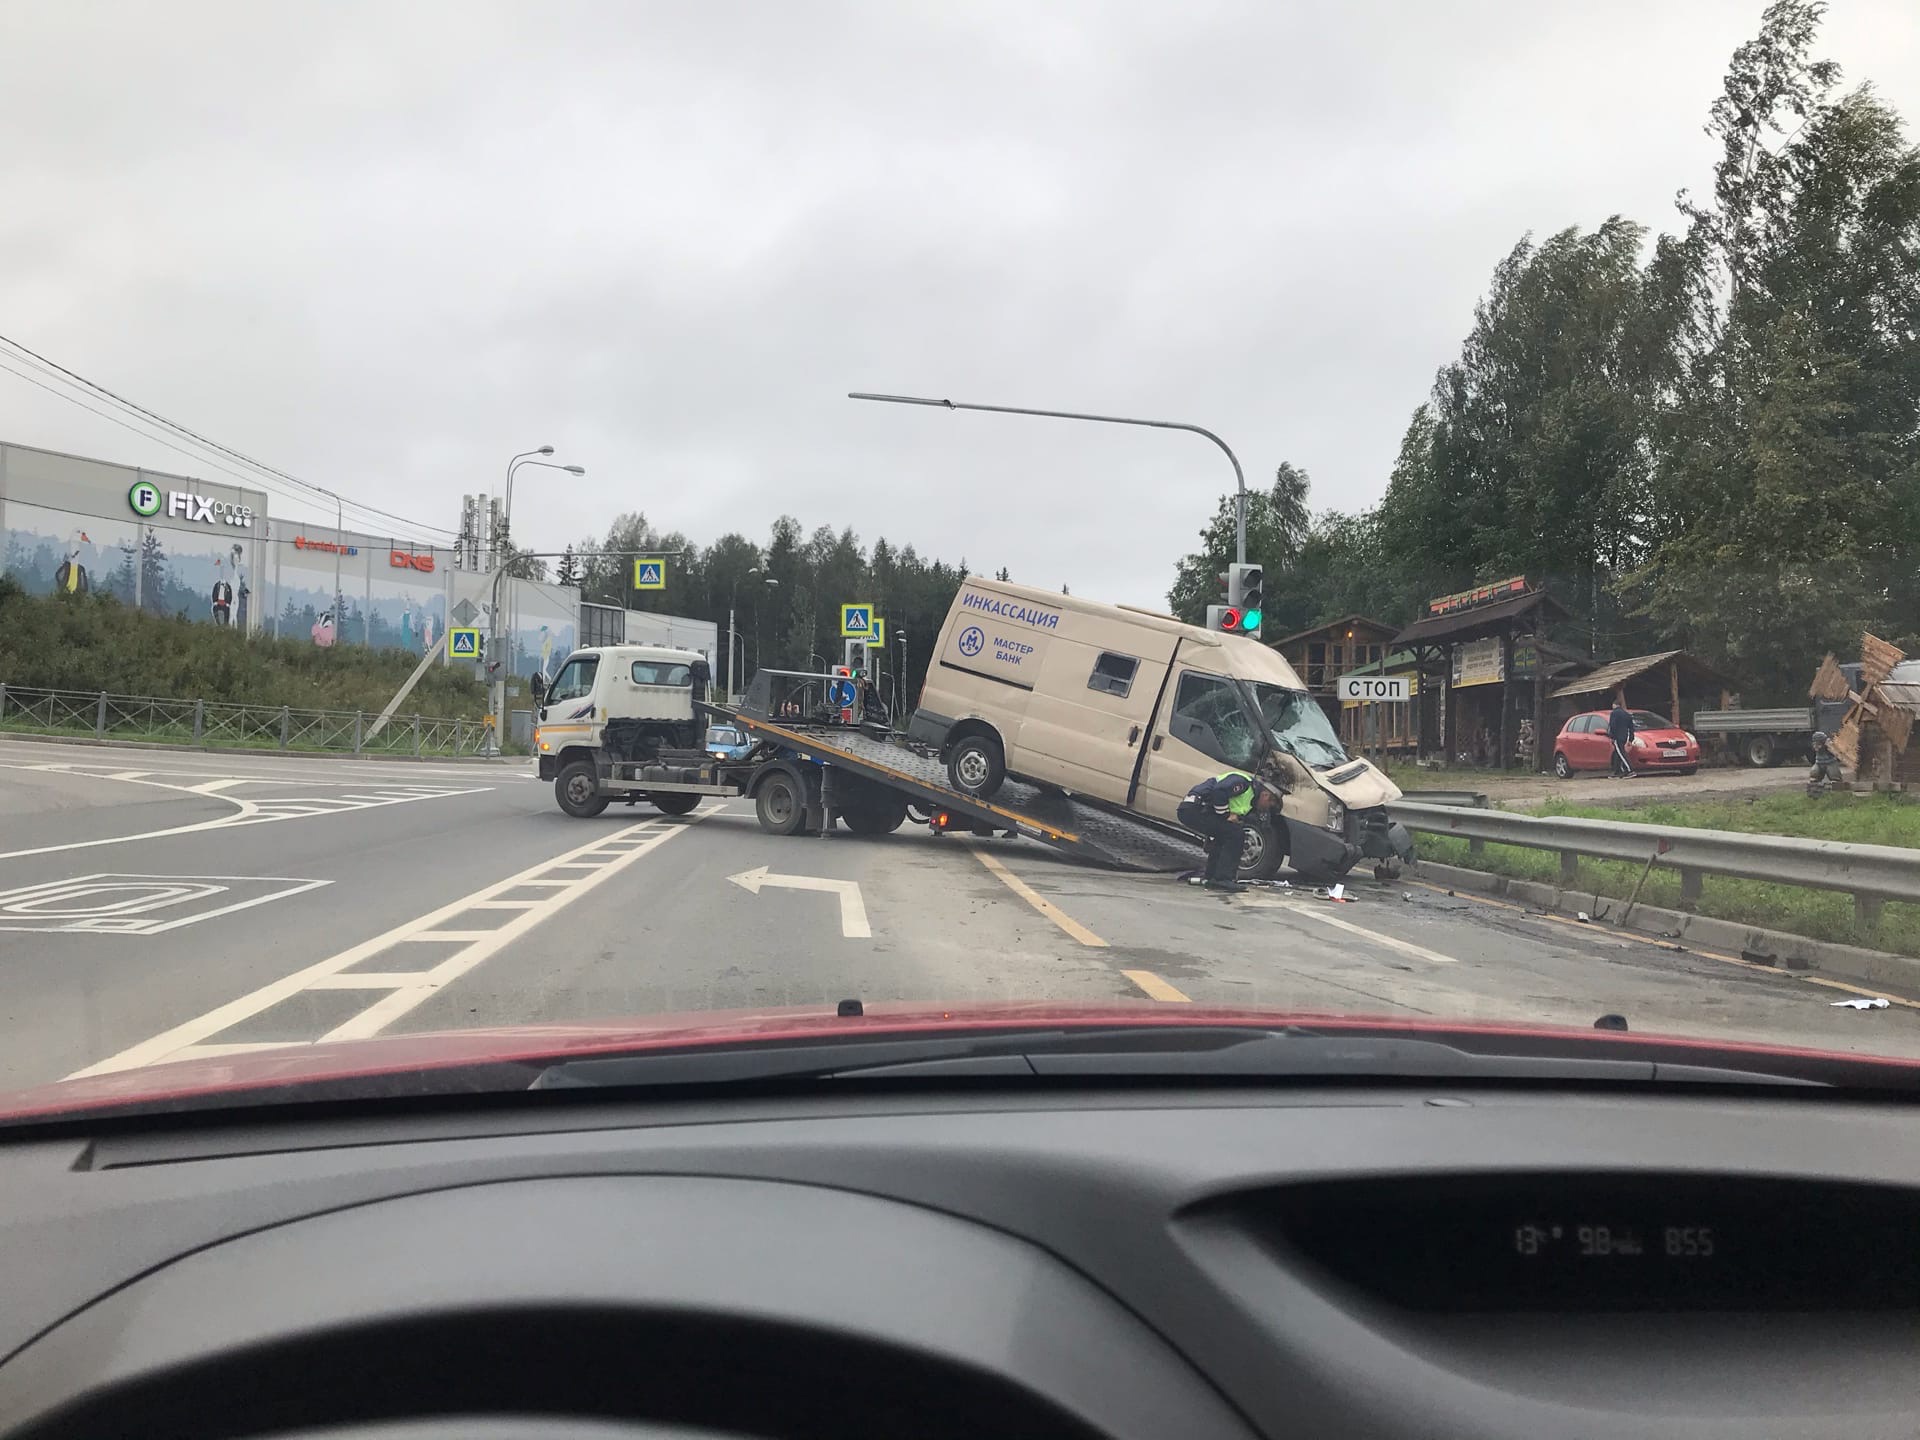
(200, 439)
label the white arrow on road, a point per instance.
(853, 910)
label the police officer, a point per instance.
(1217, 809)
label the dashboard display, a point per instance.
(1612, 1243)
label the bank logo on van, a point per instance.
(1012, 610)
(146, 499)
(972, 640)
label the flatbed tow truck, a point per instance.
(816, 761)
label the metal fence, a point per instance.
(219, 724)
(1872, 874)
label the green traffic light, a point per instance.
(1250, 620)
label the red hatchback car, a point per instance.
(1657, 744)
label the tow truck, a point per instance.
(620, 725)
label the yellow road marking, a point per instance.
(1660, 944)
(1155, 987)
(1040, 902)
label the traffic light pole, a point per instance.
(1239, 479)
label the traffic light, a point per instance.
(857, 656)
(1223, 617)
(1247, 594)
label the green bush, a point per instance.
(92, 642)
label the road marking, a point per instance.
(196, 1037)
(1155, 987)
(1657, 943)
(105, 904)
(853, 909)
(1309, 912)
(1040, 902)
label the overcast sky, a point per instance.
(385, 246)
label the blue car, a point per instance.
(727, 742)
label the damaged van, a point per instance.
(1132, 709)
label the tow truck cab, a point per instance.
(620, 702)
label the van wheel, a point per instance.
(1261, 849)
(778, 805)
(976, 767)
(576, 787)
(672, 802)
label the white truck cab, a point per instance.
(619, 702)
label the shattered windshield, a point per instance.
(1299, 726)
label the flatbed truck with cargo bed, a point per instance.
(819, 756)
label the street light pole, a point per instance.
(1239, 479)
(501, 539)
(733, 633)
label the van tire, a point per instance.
(779, 804)
(672, 802)
(575, 788)
(1268, 851)
(977, 766)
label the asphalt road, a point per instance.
(156, 904)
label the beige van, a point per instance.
(1132, 709)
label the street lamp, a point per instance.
(733, 635)
(1239, 480)
(502, 537)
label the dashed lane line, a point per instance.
(1155, 988)
(400, 992)
(1039, 902)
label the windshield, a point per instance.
(1299, 726)
(520, 522)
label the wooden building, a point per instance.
(1321, 655)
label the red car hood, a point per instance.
(418, 1055)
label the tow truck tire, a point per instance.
(977, 766)
(1261, 850)
(879, 819)
(671, 802)
(576, 788)
(779, 805)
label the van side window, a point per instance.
(1113, 674)
(1208, 715)
(575, 680)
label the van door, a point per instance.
(1203, 729)
(1087, 716)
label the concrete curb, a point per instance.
(1780, 948)
(112, 744)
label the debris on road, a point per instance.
(1877, 1003)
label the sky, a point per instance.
(385, 246)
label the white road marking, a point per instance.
(1045, 906)
(1312, 912)
(406, 989)
(116, 904)
(853, 909)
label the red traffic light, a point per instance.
(1230, 619)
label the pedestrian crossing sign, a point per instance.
(649, 574)
(463, 644)
(877, 631)
(856, 621)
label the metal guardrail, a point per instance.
(1872, 874)
(220, 724)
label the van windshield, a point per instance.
(1298, 726)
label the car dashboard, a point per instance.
(1271, 1261)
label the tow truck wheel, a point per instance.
(976, 766)
(778, 805)
(577, 789)
(1261, 851)
(673, 802)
